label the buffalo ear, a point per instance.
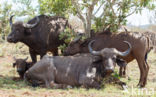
(92, 33)
(14, 64)
(121, 62)
(84, 43)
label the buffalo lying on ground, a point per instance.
(41, 34)
(140, 48)
(22, 66)
(77, 70)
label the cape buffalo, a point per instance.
(152, 37)
(140, 47)
(77, 70)
(22, 66)
(40, 34)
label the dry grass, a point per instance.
(11, 88)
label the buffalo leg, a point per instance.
(51, 84)
(147, 70)
(33, 55)
(143, 71)
(88, 82)
(58, 86)
(122, 71)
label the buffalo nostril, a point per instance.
(8, 38)
(19, 70)
(109, 71)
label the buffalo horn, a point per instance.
(125, 53)
(31, 25)
(96, 53)
(78, 38)
(10, 21)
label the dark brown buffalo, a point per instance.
(139, 42)
(40, 34)
(22, 66)
(77, 70)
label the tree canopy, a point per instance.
(96, 14)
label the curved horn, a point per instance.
(97, 53)
(10, 20)
(26, 58)
(26, 25)
(78, 38)
(125, 53)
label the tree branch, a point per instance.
(78, 10)
(98, 9)
(104, 11)
(111, 6)
(132, 12)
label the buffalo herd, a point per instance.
(84, 62)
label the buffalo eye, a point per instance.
(114, 58)
(17, 31)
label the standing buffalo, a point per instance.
(152, 37)
(77, 70)
(139, 42)
(41, 34)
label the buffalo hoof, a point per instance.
(140, 85)
(122, 75)
(124, 87)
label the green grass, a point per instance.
(11, 88)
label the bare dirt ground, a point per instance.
(11, 88)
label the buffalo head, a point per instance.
(75, 46)
(18, 30)
(110, 56)
(21, 66)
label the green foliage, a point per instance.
(55, 7)
(116, 75)
(25, 8)
(115, 18)
(5, 10)
(68, 35)
(114, 11)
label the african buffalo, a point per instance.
(140, 47)
(41, 34)
(77, 70)
(152, 37)
(22, 66)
